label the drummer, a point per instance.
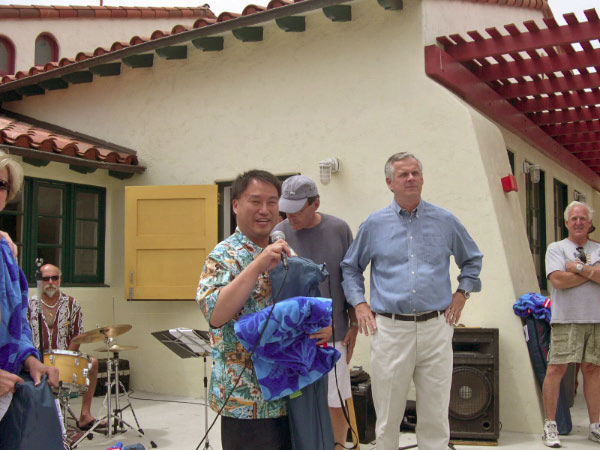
(62, 320)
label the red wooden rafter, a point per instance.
(542, 83)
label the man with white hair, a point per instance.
(572, 267)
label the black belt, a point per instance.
(413, 317)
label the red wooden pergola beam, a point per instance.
(571, 128)
(546, 86)
(578, 148)
(582, 138)
(544, 64)
(587, 156)
(563, 35)
(571, 115)
(441, 67)
(558, 102)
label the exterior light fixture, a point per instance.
(579, 196)
(533, 170)
(327, 167)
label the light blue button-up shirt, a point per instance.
(410, 259)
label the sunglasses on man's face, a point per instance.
(4, 185)
(52, 277)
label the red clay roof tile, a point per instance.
(22, 134)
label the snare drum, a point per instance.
(73, 368)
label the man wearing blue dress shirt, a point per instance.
(413, 309)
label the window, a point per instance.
(46, 49)
(561, 200)
(64, 224)
(511, 160)
(536, 225)
(7, 57)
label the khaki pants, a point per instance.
(421, 351)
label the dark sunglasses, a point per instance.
(4, 185)
(52, 277)
(582, 256)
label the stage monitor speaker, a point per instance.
(474, 404)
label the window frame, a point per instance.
(10, 50)
(28, 245)
(533, 190)
(51, 40)
(560, 229)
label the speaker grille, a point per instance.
(471, 393)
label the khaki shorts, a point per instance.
(574, 342)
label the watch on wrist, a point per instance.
(579, 267)
(465, 294)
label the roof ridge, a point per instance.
(101, 12)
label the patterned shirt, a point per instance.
(67, 324)
(227, 260)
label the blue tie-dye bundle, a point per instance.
(15, 334)
(286, 360)
(533, 304)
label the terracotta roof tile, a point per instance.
(100, 12)
(19, 133)
(206, 18)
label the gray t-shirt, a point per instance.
(325, 243)
(579, 304)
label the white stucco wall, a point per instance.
(78, 35)
(356, 91)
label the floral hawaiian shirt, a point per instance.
(223, 264)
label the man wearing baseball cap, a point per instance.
(323, 239)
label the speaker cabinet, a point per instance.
(474, 405)
(365, 412)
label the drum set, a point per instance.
(74, 368)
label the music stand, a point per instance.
(187, 343)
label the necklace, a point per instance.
(47, 305)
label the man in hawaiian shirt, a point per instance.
(62, 320)
(235, 281)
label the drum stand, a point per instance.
(114, 418)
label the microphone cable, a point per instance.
(275, 300)
(342, 401)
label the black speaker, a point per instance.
(474, 405)
(365, 412)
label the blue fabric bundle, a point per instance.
(286, 360)
(533, 304)
(15, 334)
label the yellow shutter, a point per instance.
(169, 231)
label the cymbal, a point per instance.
(116, 348)
(99, 334)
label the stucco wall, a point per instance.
(354, 90)
(78, 35)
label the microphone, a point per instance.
(275, 236)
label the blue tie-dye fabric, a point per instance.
(287, 359)
(15, 334)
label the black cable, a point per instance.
(342, 401)
(275, 299)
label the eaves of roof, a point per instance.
(100, 12)
(39, 143)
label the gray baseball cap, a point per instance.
(294, 192)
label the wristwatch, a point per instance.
(466, 294)
(579, 267)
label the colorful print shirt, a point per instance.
(67, 324)
(223, 264)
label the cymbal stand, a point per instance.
(114, 418)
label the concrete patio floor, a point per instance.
(176, 423)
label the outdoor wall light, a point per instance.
(327, 167)
(533, 170)
(579, 196)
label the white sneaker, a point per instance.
(550, 435)
(594, 432)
